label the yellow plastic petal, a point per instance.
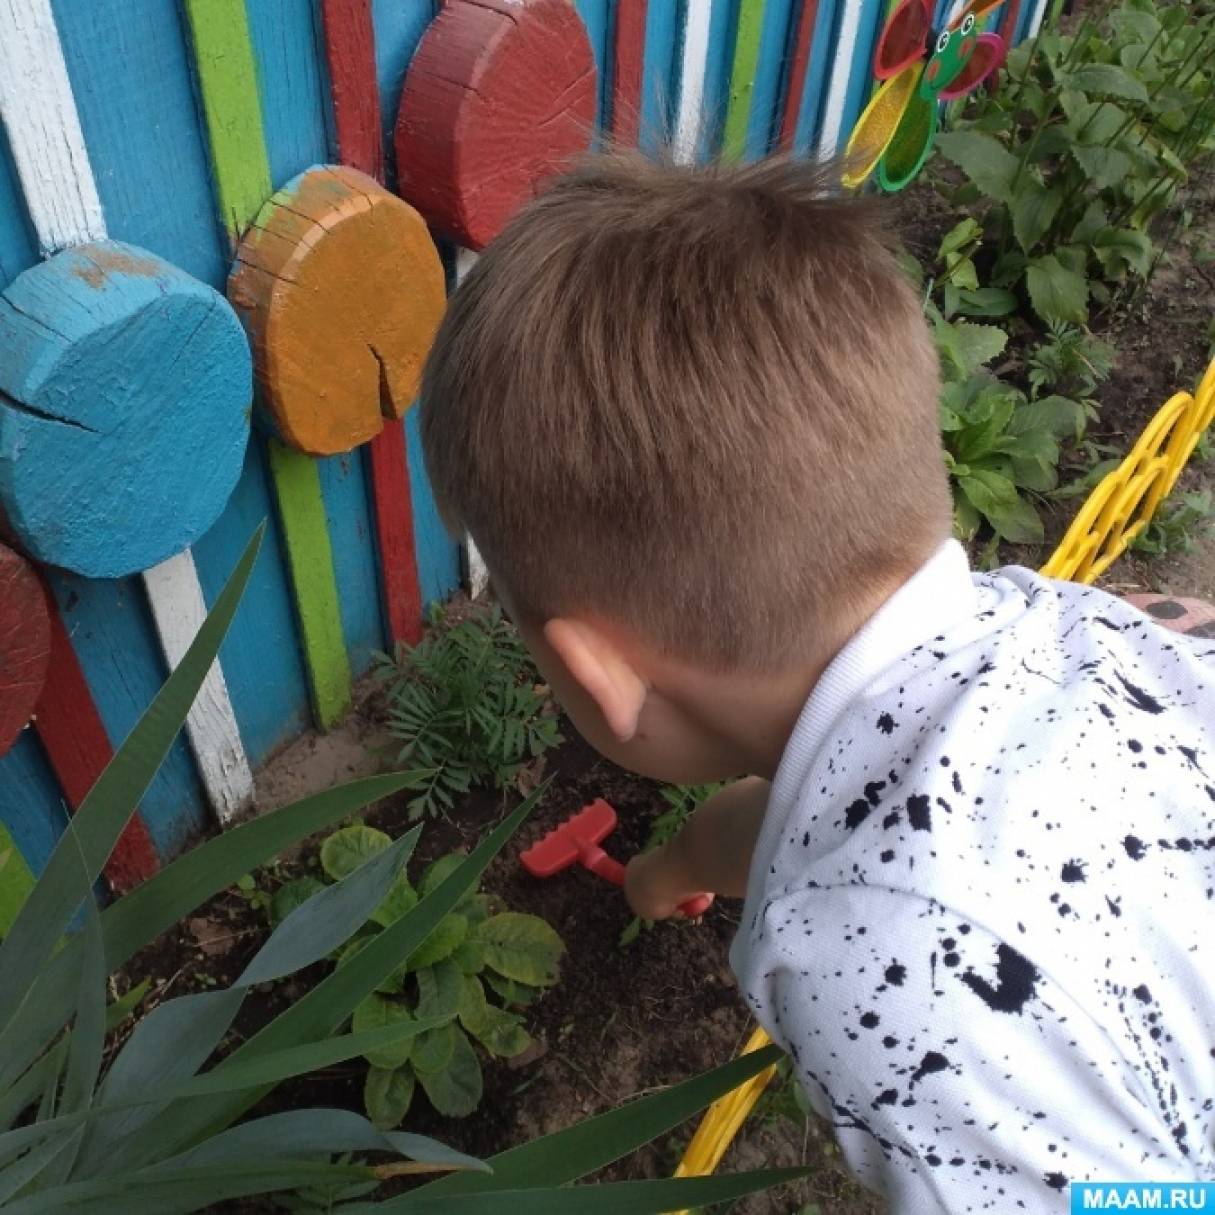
(876, 127)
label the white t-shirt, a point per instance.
(981, 910)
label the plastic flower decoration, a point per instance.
(920, 69)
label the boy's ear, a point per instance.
(599, 667)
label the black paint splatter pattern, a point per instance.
(982, 921)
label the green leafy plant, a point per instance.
(149, 1131)
(475, 946)
(1071, 362)
(467, 708)
(681, 800)
(998, 445)
(1089, 137)
(1178, 525)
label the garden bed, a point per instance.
(620, 1022)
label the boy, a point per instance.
(690, 420)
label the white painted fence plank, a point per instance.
(476, 572)
(689, 116)
(179, 611)
(841, 72)
(44, 128)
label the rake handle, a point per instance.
(597, 861)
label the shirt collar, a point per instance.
(940, 593)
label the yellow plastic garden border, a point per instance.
(1115, 513)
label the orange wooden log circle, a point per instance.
(341, 289)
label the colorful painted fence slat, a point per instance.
(350, 52)
(223, 59)
(143, 124)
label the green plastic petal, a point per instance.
(910, 146)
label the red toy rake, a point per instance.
(576, 841)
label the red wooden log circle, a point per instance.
(500, 95)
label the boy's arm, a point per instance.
(712, 853)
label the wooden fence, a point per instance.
(150, 147)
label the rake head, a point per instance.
(566, 843)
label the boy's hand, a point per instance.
(712, 852)
(656, 883)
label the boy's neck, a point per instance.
(755, 714)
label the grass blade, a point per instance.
(87, 1040)
(271, 1069)
(330, 917)
(609, 1198)
(141, 916)
(160, 1192)
(171, 1043)
(47, 912)
(575, 1151)
(23, 1092)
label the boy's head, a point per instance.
(692, 409)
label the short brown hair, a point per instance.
(701, 403)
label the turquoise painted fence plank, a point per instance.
(659, 73)
(346, 490)
(810, 115)
(289, 51)
(261, 655)
(438, 558)
(111, 630)
(399, 26)
(723, 26)
(126, 60)
(151, 163)
(873, 13)
(17, 241)
(764, 118)
(30, 805)
(597, 19)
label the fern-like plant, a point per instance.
(467, 707)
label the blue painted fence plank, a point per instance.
(873, 13)
(723, 28)
(150, 159)
(31, 806)
(438, 558)
(399, 26)
(763, 120)
(810, 114)
(596, 18)
(659, 74)
(18, 244)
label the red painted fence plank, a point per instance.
(394, 529)
(350, 52)
(799, 61)
(628, 62)
(25, 643)
(77, 745)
